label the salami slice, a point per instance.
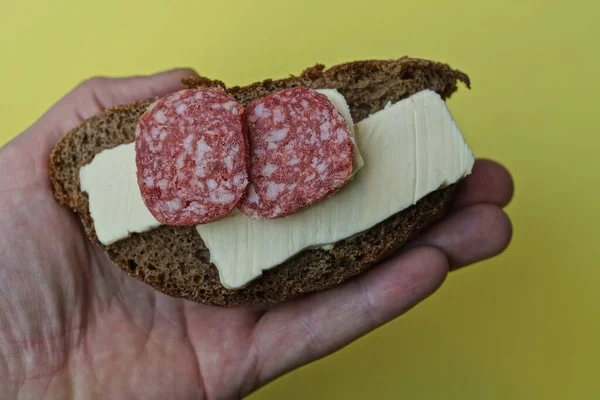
(301, 152)
(191, 156)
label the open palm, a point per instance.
(73, 325)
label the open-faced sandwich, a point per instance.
(243, 195)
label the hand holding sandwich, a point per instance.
(72, 325)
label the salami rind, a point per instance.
(301, 151)
(191, 156)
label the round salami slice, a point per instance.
(301, 151)
(191, 156)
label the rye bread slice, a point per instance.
(174, 260)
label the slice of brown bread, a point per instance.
(175, 260)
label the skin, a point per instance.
(74, 326)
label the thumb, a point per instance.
(29, 151)
(97, 94)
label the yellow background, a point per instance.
(523, 326)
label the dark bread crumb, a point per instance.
(175, 260)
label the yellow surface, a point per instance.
(523, 326)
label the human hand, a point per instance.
(74, 326)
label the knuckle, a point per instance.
(93, 83)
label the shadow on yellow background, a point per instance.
(522, 326)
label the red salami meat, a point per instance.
(191, 156)
(301, 151)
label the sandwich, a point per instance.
(234, 196)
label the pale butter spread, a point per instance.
(410, 149)
(116, 205)
(115, 202)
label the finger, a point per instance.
(306, 329)
(97, 94)
(489, 183)
(469, 235)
